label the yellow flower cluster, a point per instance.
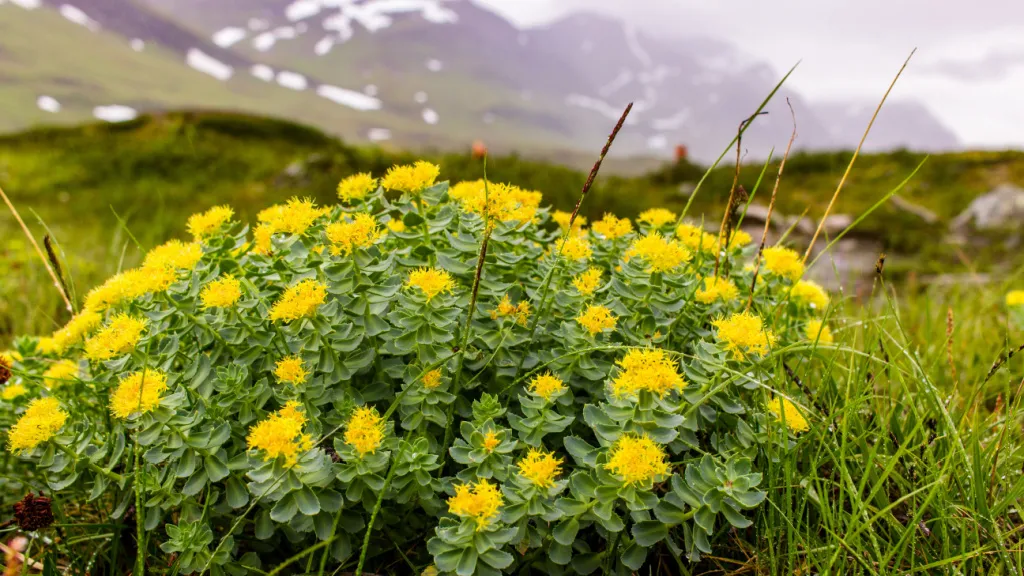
(575, 248)
(293, 217)
(501, 202)
(612, 227)
(637, 459)
(281, 435)
(783, 262)
(547, 386)
(810, 294)
(718, 288)
(299, 301)
(413, 178)
(650, 370)
(597, 319)
(174, 254)
(221, 293)
(562, 219)
(12, 391)
(696, 239)
(587, 282)
(480, 501)
(786, 410)
(138, 393)
(818, 331)
(1015, 298)
(365, 430)
(657, 217)
(119, 337)
(361, 232)
(356, 187)
(660, 254)
(80, 326)
(432, 379)
(396, 225)
(491, 441)
(41, 421)
(60, 372)
(204, 224)
(291, 370)
(520, 311)
(743, 333)
(127, 286)
(432, 281)
(540, 468)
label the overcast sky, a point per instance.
(968, 69)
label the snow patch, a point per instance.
(673, 122)
(376, 15)
(292, 80)
(226, 37)
(593, 104)
(434, 65)
(370, 90)
(379, 134)
(620, 81)
(78, 17)
(28, 4)
(633, 41)
(199, 60)
(285, 32)
(420, 97)
(137, 44)
(341, 24)
(301, 9)
(114, 113)
(349, 98)
(657, 142)
(264, 41)
(48, 104)
(323, 46)
(263, 72)
(430, 116)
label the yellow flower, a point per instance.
(562, 219)
(299, 301)
(41, 421)
(650, 370)
(1015, 298)
(657, 217)
(396, 225)
(588, 281)
(717, 289)
(811, 294)
(502, 202)
(280, 434)
(432, 379)
(480, 501)
(356, 187)
(575, 248)
(521, 311)
(174, 254)
(262, 241)
(491, 441)
(744, 332)
(432, 281)
(739, 239)
(429, 571)
(47, 345)
(795, 421)
(126, 286)
(206, 223)
(60, 372)
(221, 293)
(612, 227)
(77, 328)
(291, 370)
(547, 386)
(293, 217)
(411, 178)
(637, 459)
(783, 262)
(818, 331)
(118, 337)
(540, 468)
(12, 391)
(12, 356)
(596, 319)
(696, 239)
(138, 392)
(365, 430)
(361, 232)
(661, 255)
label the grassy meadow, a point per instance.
(912, 459)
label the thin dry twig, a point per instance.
(771, 207)
(28, 234)
(849, 168)
(727, 217)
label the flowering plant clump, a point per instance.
(339, 382)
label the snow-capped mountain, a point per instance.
(441, 72)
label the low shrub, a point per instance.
(450, 377)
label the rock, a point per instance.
(1003, 207)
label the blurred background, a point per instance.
(121, 116)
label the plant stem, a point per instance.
(380, 500)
